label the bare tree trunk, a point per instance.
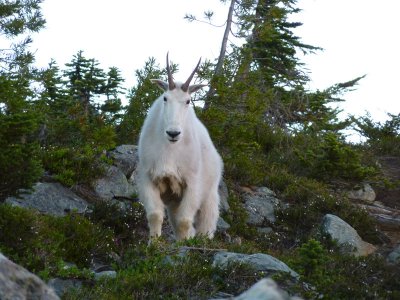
(218, 67)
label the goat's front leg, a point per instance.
(149, 195)
(184, 214)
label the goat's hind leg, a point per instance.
(207, 216)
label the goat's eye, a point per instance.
(187, 101)
(165, 99)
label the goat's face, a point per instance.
(176, 100)
(175, 110)
(176, 104)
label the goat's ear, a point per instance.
(161, 84)
(195, 87)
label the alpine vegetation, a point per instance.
(179, 168)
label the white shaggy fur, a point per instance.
(178, 172)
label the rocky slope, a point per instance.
(260, 203)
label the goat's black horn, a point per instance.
(185, 86)
(171, 83)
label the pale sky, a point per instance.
(359, 37)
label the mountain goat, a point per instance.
(179, 168)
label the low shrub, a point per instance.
(73, 165)
(162, 272)
(308, 201)
(40, 242)
(329, 158)
(129, 225)
(337, 276)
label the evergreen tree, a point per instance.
(383, 138)
(77, 132)
(140, 98)
(260, 96)
(57, 104)
(19, 156)
(85, 81)
(112, 107)
(271, 44)
(52, 82)
(20, 16)
(20, 163)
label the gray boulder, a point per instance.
(50, 198)
(260, 206)
(222, 225)
(264, 230)
(17, 283)
(364, 193)
(125, 158)
(114, 185)
(394, 256)
(132, 180)
(387, 217)
(389, 221)
(258, 261)
(105, 274)
(265, 289)
(223, 195)
(346, 236)
(61, 286)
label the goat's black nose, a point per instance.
(173, 134)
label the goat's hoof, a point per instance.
(154, 241)
(184, 230)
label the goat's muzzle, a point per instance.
(173, 135)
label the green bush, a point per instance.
(244, 163)
(18, 229)
(78, 240)
(72, 165)
(20, 165)
(74, 150)
(338, 276)
(40, 242)
(154, 273)
(236, 137)
(330, 158)
(309, 200)
(382, 138)
(63, 270)
(129, 225)
(312, 256)
(237, 218)
(160, 272)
